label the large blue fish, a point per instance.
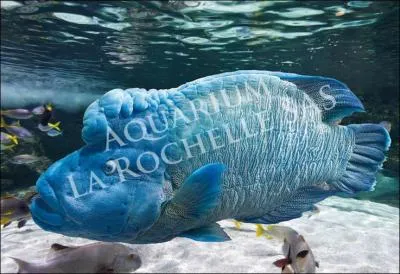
(256, 146)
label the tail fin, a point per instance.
(2, 122)
(14, 139)
(56, 126)
(371, 142)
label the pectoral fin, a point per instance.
(282, 262)
(199, 193)
(210, 233)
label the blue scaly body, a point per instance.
(257, 146)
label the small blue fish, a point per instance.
(53, 132)
(49, 126)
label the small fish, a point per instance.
(98, 257)
(19, 131)
(18, 113)
(24, 159)
(44, 128)
(7, 147)
(49, 126)
(340, 13)
(298, 255)
(7, 139)
(260, 231)
(53, 132)
(46, 117)
(39, 110)
(16, 210)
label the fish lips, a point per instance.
(45, 208)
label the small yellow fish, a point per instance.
(56, 126)
(237, 224)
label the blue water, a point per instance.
(69, 53)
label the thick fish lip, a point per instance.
(46, 193)
(45, 206)
(43, 214)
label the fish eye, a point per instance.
(302, 254)
(110, 167)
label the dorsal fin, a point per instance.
(333, 97)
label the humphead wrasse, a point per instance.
(255, 146)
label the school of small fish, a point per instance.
(14, 209)
(13, 134)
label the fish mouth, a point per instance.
(45, 207)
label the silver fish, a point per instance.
(24, 159)
(18, 113)
(92, 258)
(298, 255)
(53, 132)
(7, 139)
(20, 132)
(44, 128)
(38, 110)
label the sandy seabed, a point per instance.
(347, 235)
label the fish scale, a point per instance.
(252, 146)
